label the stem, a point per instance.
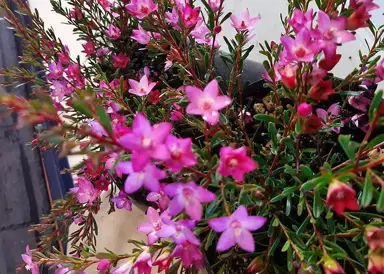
(224, 200)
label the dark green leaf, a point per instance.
(274, 245)
(375, 104)
(367, 195)
(318, 205)
(380, 201)
(223, 119)
(82, 109)
(104, 119)
(211, 236)
(348, 146)
(266, 118)
(285, 246)
(375, 141)
(225, 17)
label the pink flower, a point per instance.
(332, 32)
(215, 4)
(55, 70)
(301, 20)
(142, 88)
(125, 268)
(104, 264)
(321, 91)
(243, 21)
(190, 16)
(97, 128)
(160, 198)
(120, 60)
(76, 14)
(341, 196)
(331, 266)
(301, 49)
(106, 4)
(73, 71)
(89, 48)
(235, 163)
(304, 109)
(141, 8)
(141, 35)
(206, 103)
(61, 89)
(176, 115)
(236, 229)
(328, 63)
(78, 220)
(288, 74)
(180, 152)
(64, 56)
(113, 32)
(168, 64)
(163, 262)
(190, 255)
(327, 117)
(29, 263)
(375, 237)
(149, 177)
(102, 52)
(202, 35)
(376, 262)
(153, 225)
(188, 196)
(380, 71)
(111, 160)
(85, 191)
(180, 231)
(143, 263)
(146, 142)
(173, 18)
(122, 201)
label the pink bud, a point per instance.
(103, 265)
(304, 110)
(217, 29)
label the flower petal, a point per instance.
(253, 222)
(219, 224)
(226, 240)
(245, 240)
(132, 183)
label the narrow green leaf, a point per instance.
(211, 236)
(348, 146)
(375, 104)
(266, 118)
(367, 195)
(225, 17)
(318, 205)
(274, 245)
(82, 109)
(375, 141)
(380, 201)
(104, 119)
(285, 246)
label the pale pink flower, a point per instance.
(301, 20)
(190, 255)
(142, 88)
(146, 142)
(85, 191)
(328, 116)
(168, 64)
(61, 89)
(102, 52)
(236, 229)
(188, 196)
(141, 8)
(235, 163)
(141, 35)
(215, 4)
(149, 177)
(113, 32)
(207, 103)
(160, 198)
(106, 4)
(125, 268)
(29, 263)
(97, 128)
(332, 32)
(301, 49)
(55, 70)
(173, 18)
(380, 71)
(122, 201)
(153, 225)
(180, 231)
(180, 153)
(143, 263)
(78, 220)
(202, 35)
(243, 21)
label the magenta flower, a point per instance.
(202, 35)
(180, 231)
(327, 117)
(113, 32)
(207, 103)
(176, 115)
(141, 35)
(55, 70)
(301, 49)
(122, 201)
(332, 32)
(190, 255)
(160, 198)
(102, 51)
(154, 225)
(141, 8)
(78, 220)
(103, 264)
(236, 229)
(304, 109)
(142, 88)
(143, 263)
(301, 20)
(180, 152)
(188, 196)
(96, 128)
(120, 60)
(64, 57)
(73, 71)
(89, 48)
(125, 268)
(106, 4)
(149, 177)
(173, 18)
(29, 263)
(243, 21)
(215, 4)
(190, 16)
(61, 89)
(146, 142)
(380, 71)
(235, 163)
(85, 191)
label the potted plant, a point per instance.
(282, 175)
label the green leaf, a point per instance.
(375, 104)
(285, 246)
(223, 119)
(82, 109)
(225, 17)
(274, 245)
(380, 201)
(266, 118)
(287, 191)
(273, 132)
(306, 171)
(104, 119)
(367, 195)
(211, 236)
(348, 146)
(318, 205)
(375, 141)
(244, 198)
(349, 93)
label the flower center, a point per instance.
(236, 225)
(140, 176)
(175, 153)
(206, 105)
(232, 162)
(146, 142)
(187, 193)
(300, 52)
(144, 8)
(340, 195)
(243, 25)
(157, 225)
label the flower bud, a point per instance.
(103, 265)
(375, 237)
(304, 109)
(331, 266)
(376, 261)
(217, 29)
(256, 265)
